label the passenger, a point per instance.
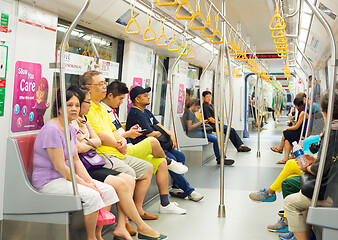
(291, 134)
(277, 105)
(145, 119)
(51, 173)
(209, 113)
(269, 109)
(125, 159)
(192, 126)
(296, 205)
(124, 184)
(116, 92)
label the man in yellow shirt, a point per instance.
(125, 159)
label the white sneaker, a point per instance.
(177, 167)
(195, 196)
(172, 208)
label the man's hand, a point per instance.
(157, 134)
(134, 131)
(211, 119)
(173, 140)
(123, 146)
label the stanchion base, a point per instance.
(258, 154)
(221, 211)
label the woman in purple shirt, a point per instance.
(51, 173)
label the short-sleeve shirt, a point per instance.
(144, 119)
(189, 115)
(100, 121)
(50, 136)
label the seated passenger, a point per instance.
(124, 184)
(51, 173)
(291, 134)
(297, 204)
(126, 159)
(209, 113)
(194, 128)
(145, 119)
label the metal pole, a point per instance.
(312, 92)
(63, 94)
(295, 12)
(330, 106)
(201, 97)
(95, 50)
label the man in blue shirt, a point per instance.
(145, 119)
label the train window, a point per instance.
(193, 83)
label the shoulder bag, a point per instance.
(307, 184)
(164, 139)
(208, 128)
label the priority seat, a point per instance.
(21, 201)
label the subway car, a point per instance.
(168, 119)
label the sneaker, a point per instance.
(195, 196)
(262, 196)
(172, 208)
(176, 192)
(286, 236)
(281, 213)
(281, 226)
(177, 167)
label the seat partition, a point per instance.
(21, 201)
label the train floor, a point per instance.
(244, 219)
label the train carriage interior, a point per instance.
(244, 92)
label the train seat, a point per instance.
(196, 150)
(21, 201)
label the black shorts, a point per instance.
(101, 174)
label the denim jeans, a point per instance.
(234, 138)
(213, 139)
(179, 181)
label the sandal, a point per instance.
(281, 161)
(275, 149)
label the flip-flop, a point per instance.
(281, 161)
(274, 150)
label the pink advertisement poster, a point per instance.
(29, 98)
(136, 82)
(180, 104)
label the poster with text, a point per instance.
(29, 97)
(180, 104)
(136, 82)
(3, 61)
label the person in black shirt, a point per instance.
(209, 114)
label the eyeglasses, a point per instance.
(103, 84)
(87, 101)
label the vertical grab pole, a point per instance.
(201, 97)
(259, 117)
(330, 106)
(306, 102)
(63, 94)
(312, 92)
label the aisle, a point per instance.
(244, 218)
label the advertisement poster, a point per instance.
(2, 96)
(3, 61)
(4, 19)
(78, 65)
(136, 82)
(29, 97)
(180, 104)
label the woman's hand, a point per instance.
(123, 146)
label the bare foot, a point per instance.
(282, 161)
(122, 233)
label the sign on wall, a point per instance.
(29, 97)
(180, 104)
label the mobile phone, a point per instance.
(142, 131)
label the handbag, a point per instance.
(105, 217)
(208, 128)
(307, 185)
(91, 160)
(164, 139)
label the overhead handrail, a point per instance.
(217, 33)
(184, 2)
(173, 41)
(63, 94)
(286, 16)
(197, 14)
(162, 4)
(330, 105)
(206, 26)
(182, 50)
(133, 20)
(151, 30)
(162, 36)
(191, 51)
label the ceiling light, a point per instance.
(198, 40)
(62, 29)
(87, 37)
(306, 20)
(303, 35)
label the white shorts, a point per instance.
(91, 199)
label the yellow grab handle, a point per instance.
(166, 3)
(106, 56)
(184, 2)
(162, 36)
(212, 27)
(280, 40)
(67, 47)
(86, 52)
(145, 33)
(173, 41)
(189, 51)
(217, 42)
(197, 14)
(281, 46)
(182, 50)
(234, 51)
(133, 20)
(280, 34)
(280, 25)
